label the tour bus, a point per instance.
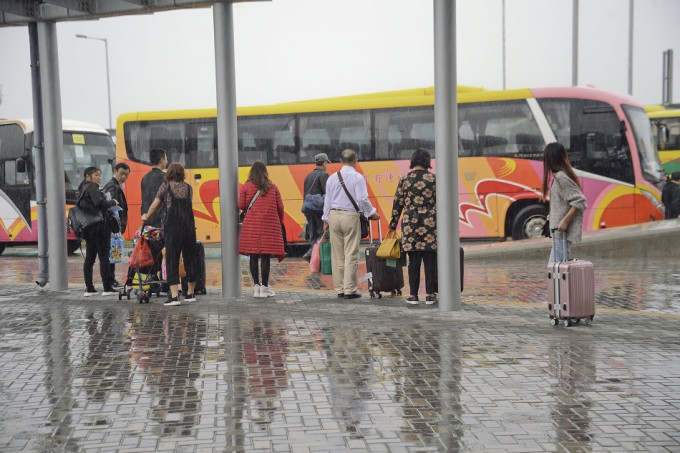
(85, 145)
(502, 135)
(666, 130)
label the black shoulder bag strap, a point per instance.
(354, 203)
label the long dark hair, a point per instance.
(555, 159)
(259, 176)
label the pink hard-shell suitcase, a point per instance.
(571, 290)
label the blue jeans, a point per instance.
(560, 252)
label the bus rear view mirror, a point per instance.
(21, 166)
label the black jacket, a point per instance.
(93, 200)
(113, 187)
(670, 197)
(315, 187)
(150, 184)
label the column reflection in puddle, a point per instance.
(169, 352)
(573, 367)
(58, 381)
(106, 367)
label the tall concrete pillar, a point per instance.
(227, 148)
(54, 155)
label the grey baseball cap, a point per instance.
(322, 157)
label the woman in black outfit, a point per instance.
(180, 231)
(98, 236)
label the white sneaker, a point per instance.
(109, 293)
(90, 293)
(257, 291)
(265, 291)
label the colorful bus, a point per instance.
(502, 135)
(85, 145)
(666, 130)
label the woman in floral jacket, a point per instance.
(416, 198)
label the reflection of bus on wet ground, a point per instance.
(666, 131)
(85, 145)
(502, 137)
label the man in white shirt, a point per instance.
(342, 220)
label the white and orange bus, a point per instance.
(502, 136)
(85, 145)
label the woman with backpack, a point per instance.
(98, 235)
(179, 233)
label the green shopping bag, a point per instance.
(398, 262)
(325, 253)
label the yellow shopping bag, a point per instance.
(390, 247)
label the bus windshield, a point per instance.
(82, 150)
(649, 157)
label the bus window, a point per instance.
(499, 129)
(592, 133)
(260, 135)
(399, 132)
(201, 145)
(142, 136)
(331, 133)
(82, 150)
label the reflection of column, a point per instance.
(235, 378)
(451, 369)
(57, 353)
(172, 370)
(572, 364)
(105, 367)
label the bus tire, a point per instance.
(529, 221)
(72, 246)
(2, 247)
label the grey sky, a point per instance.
(303, 49)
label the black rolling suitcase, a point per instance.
(382, 278)
(200, 271)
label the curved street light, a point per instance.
(108, 85)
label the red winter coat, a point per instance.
(261, 229)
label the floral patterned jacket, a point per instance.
(416, 198)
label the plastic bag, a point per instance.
(141, 255)
(325, 255)
(117, 249)
(315, 260)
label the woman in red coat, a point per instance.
(261, 234)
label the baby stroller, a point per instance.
(145, 281)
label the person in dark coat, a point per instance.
(97, 236)
(261, 235)
(315, 183)
(180, 231)
(151, 182)
(670, 196)
(115, 189)
(416, 198)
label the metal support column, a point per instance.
(574, 44)
(446, 153)
(54, 155)
(631, 19)
(39, 156)
(227, 148)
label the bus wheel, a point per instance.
(528, 223)
(72, 246)
(2, 247)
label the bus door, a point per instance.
(15, 180)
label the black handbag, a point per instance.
(364, 222)
(79, 219)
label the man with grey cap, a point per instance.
(315, 188)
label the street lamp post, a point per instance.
(108, 84)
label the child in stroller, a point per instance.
(145, 281)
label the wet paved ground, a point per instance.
(305, 372)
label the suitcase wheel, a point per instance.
(567, 322)
(372, 294)
(589, 321)
(553, 321)
(379, 296)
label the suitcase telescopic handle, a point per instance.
(370, 230)
(564, 245)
